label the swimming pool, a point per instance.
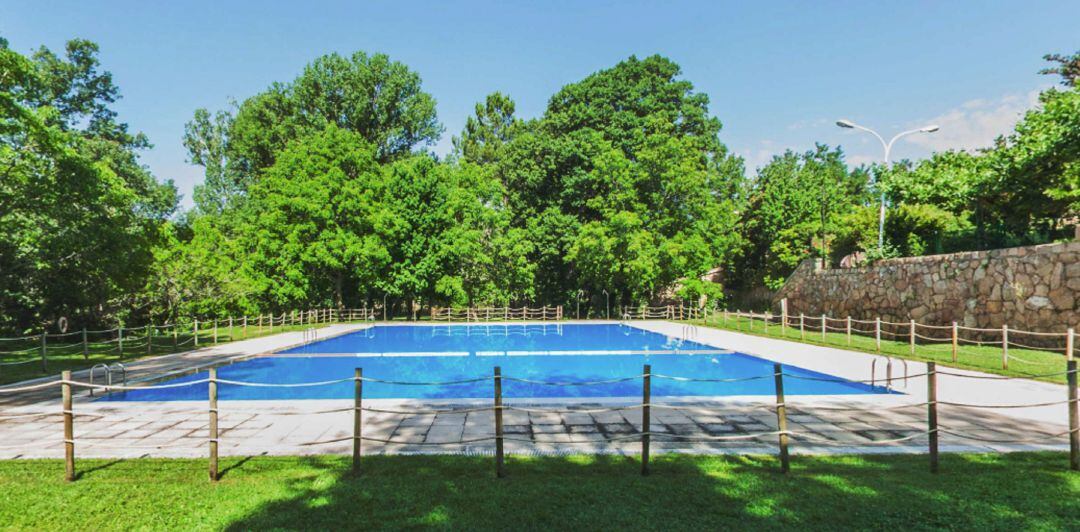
(501, 339)
(551, 353)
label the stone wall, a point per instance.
(1031, 288)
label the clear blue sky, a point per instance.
(778, 74)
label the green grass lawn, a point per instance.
(973, 491)
(1022, 362)
(67, 353)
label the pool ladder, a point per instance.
(689, 332)
(310, 335)
(888, 371)
(108, 370)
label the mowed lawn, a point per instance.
(1039, 364)
(973, 491)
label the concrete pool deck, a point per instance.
(30, 427)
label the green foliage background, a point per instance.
(320, 191)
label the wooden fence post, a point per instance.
(196, 332)
(783, 317)
(1074, 418)
(1004, 347)
(877, 333)
(215, 331)
(358, 420)
(646, 397)
(213, 426)
(85, 345)
(44, 353)
(244, 334)
(768, 318)
(911, 335)
(69, 429)
(931, 418)
(1069, 343)
(174, 336)
(802, 326)
(120, 341)
(499, 470)
(955, 340)
(847, 330)
(149, 337)
(822, 328)
(781, 418)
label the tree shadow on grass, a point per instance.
(80, 473)
(235, 465)
(987, 491)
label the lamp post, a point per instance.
(848, 124)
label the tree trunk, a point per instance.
(338, 300)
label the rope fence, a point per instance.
(782, 435)
(130, 342)
(478, 314)
(956, 339)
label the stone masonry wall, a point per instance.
(1032, 288)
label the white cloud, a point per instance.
(760, 155)
(975, 123)
(854, 160)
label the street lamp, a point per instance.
(848, 124)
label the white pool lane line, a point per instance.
(598, 352)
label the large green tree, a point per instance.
(627, 159)
(315, 224)
(795, 205)
(379, 99)
(73, 194)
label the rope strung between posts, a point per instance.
(1034, 362)
(283, 385)
(133, 388)
(814, 437)
(990, 440)
(582, 383)
(1001, 377)
(1034, 348)
(694, 379)
(873, 381)
(1031, 405)
(38, 360)
(429, 412)
(573, 411)
(867, 408)
(38, 414)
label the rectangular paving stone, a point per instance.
(685, 429)
(449, 419)
(443, 435)
(548, 429)
(719, 428)
(577, 419)
(544, 418)
(416, 421)
(580, 429)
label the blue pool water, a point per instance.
(490, 339)
(465, 352)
